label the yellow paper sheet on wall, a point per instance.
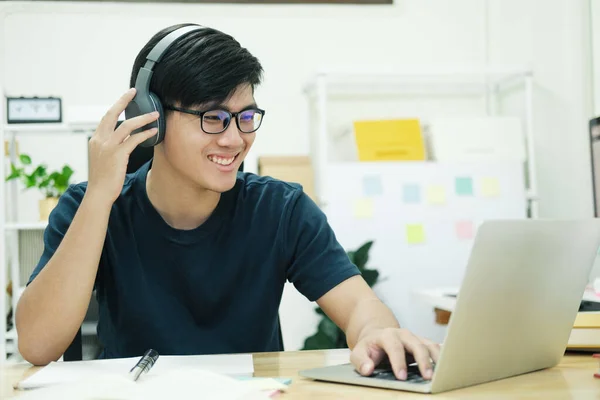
(389, 140)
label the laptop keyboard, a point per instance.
(413, 375)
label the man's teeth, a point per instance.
(220, 160)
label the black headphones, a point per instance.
(145, 101)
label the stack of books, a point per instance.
(585, 335)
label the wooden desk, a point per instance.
(573, 378)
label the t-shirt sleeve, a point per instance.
(317, 261)
(58, 223)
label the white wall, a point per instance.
(82, 53)
(594, 21)
(553, 37)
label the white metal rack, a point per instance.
(488, 82)
(10, 226)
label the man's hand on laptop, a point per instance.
(373, 332)
(400, 347)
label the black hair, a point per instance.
(204, 66)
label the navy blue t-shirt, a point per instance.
(212, 289)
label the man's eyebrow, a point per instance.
(224, 107)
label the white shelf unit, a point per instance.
(25, 226)
(488, 82)
(9, 224)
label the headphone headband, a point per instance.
(145, 73)
(145, 101)
(161, 47)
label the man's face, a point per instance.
(210, 161)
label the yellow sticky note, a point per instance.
(389, 139)
(363, 208)
(415, 233)
(436, 194)
(490, 187)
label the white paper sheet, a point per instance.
(184, 383)
(74, 371)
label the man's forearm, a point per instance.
(368, 315)
(54, 304)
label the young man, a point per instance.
(188, 256)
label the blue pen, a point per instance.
(144, 364)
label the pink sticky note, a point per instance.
(464, 229)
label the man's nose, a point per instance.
(231, 137)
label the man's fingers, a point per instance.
(434, 349)
(361, 360)
(392, 344)
(134, 140)
(420, 352)
(109, 121)
(128, 126)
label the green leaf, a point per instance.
(67, 171)
(40, 171)
(330, 329)
(362, 255)
(25, 159)
(14, 172)
(341, 341)
(351, 256)
(318, 341)
(61, 180)
(320, 311)
(44, 183)
(370, 276)
(30, 181)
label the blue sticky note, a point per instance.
(464, 186)
(411, 193)
(372, 185)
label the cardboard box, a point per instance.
(295, 169)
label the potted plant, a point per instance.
(52, 184)
(329, 335)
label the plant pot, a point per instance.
(46, 207)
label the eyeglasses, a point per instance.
(217, 121)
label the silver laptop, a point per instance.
(515, 310)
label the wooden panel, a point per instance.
(574, 375)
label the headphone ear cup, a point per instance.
(161, 121)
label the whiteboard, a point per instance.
(422, 217)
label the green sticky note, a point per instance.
(464, 186)
(415, 234)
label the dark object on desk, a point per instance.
(587, 306)
(594, 131)
(144, 365)
(413, 374)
